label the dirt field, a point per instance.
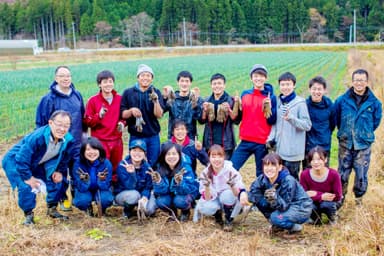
(360, 231)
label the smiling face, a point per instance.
(359, 83)
(317, 92)
(180, 133)
(286, 87)
(63, 78)
(137, 155)
(218, 87)
(258, 80)
(91, 154)
(271, 171)
(184, 85)
(317, 162)
(145, 80)
(172, 158)
(106, 86)
(59, 126)
(217, 161)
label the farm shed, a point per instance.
(18, 47)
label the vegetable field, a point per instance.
(23, 89)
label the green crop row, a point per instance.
(23, 89)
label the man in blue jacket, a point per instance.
(41, 158)
(358, 114)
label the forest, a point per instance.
(139, 23)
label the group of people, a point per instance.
(278, 130)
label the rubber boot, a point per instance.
(228, 224)
(53, 213)
(184, 217)
(128, 210)
(28, 218)
(219, 217)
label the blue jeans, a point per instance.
(293, 168)
(326, 207)
(153, 147)
(132, 197)
(169, 202)
(244, 150)
(359, 160)
(83, 200)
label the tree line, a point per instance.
(190, 22)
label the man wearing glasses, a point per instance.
(358, 114)
(63, 96)
(39, 162)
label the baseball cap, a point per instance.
(138, 144)
(259, 68)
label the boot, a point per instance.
(29, 219)
(228, 224)
(53, 213)
(90, 211)
(219, 217)
(184, 217)
(128, 210)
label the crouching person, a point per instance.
(279, 196)
(134, 181)
(220, 188)
(41, 158)
(92, 177)
(174, 184)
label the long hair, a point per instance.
(93, 143)
(163, 167)
(215, 149)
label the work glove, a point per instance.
(153, 96)
(179, 176)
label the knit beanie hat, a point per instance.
(144, 68)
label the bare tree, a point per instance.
(137, 29)
(102, 28)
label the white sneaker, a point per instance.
(296, 228)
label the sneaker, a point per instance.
(53, 213)
(296, 228)
(29, 219)
(228, 226)
(66, 206)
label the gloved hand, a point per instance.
(154, 175)
(103, 111)
(205, 180)
(120, 126)
(84, 176)
(139, 123)
(103, 175)
(270, 194)
(267, 107)
(153, 96)
(179, 176)
(232, 179)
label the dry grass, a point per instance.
(360, 231)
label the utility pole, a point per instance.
(350, 34)
(354, 26)
(185, 33)
(74, 35)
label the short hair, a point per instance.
(177, 123)
(287, 76)
(184, 74)
(62, 66)
(94, 143)
(218, 76)
(320, 151)
(60, 113)
(272, 158)
(319, 80)
(360, 71)
(105, 74)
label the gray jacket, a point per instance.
(289, 135)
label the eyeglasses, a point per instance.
(64, 76)
(359, 80)
(63, 126)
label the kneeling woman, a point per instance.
(92, 177)
(279, 196)
(176, 186)
(220, 187)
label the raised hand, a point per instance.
(232, 179)
(222, 112)
(179, 176)
(267, 106)
(198, 145)
(130, 168)
(84, 176)
(154, 175)
(210, 111)
(236, 105)
(153, 96)
(103, 175)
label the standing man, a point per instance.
(64, 96)
(358, 114)
(184, 105)
(41, 159)
(102, 115)
(141, 106)
(258, 114)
